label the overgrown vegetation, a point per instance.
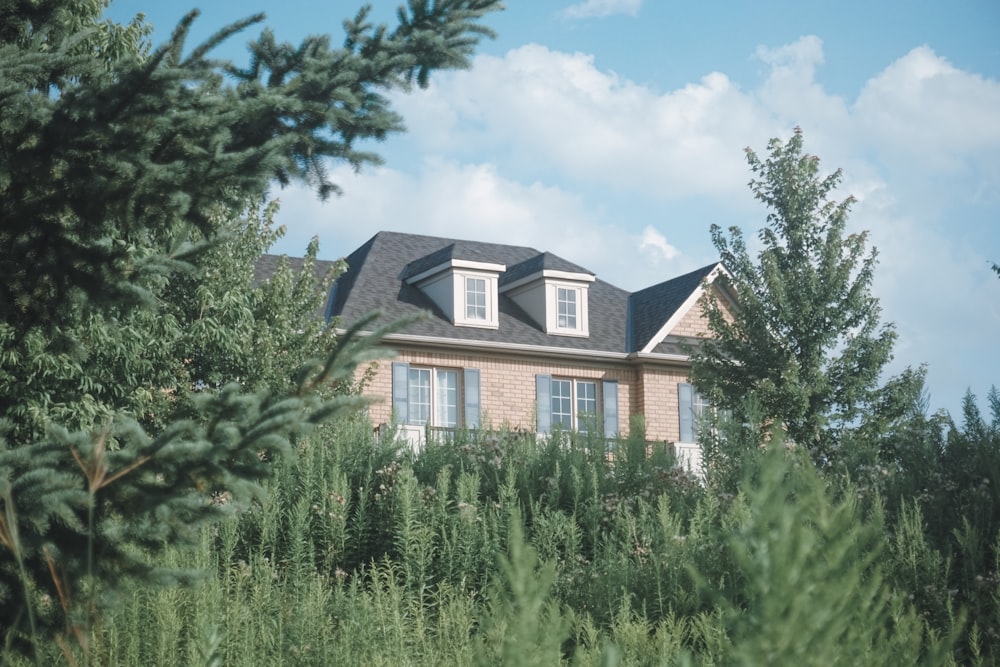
(495, 548)
(187, 476)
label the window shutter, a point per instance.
(611, 427)
(471, 381)
(543, 395)
(685, 396)
(401, 391)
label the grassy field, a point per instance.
(499, 548)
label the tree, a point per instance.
(805, 337)
(121, 173)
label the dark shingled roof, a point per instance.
(376, 273)
(650, 308)
(540, 262)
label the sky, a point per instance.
(612, 133)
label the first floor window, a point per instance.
(586, 405)
(442, 397)
(693, 409)
(433, 392)
(562, 403)
(574, 404)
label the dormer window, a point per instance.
(464, 289)
(566, 307)
(552, 292)
(475, 299)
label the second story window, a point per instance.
(566, 308)
(475, 299)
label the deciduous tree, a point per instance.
(806, 337)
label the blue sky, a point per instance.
(611, 132)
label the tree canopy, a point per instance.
(806, 338)
(131, 182)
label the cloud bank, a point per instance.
(544, 148)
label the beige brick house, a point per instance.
(526, 339)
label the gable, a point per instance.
(687, 320)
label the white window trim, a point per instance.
(492, 320)
(575, 401)
(552, 288)
(433, 420)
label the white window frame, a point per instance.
(567, 300)
(577, 420)
(434, 399)
(461, 289)
(552, 293)
(473, 309)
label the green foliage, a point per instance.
(805, 338)
(107, 169)
(147, 386)
(814, 591)
(522, 625)
(458, 576)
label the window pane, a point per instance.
(446, 397)
(562, 403)
(586, 405)
(420, 395)
(566, 307)
(475, 298)
(700, 407)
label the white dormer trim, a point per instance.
(553, 323)
(461, 295)
(455, 264)
(685, 307)
(549, 274)
(538, 295)
(447, 284)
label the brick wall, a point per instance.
(659, 401)
(507, 384)
(694, 324)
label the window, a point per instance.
(433, 393)
(566, 308)
(586, 405)
(693, 408)
(562, 403)
(440, 397)
(475, 299)
(574, 404)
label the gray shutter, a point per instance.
(401, 391)
(471, 382)
(611, 427)
(543, 395)
(685, 396)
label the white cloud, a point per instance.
(602, 8)
(925, 112)
(471, 201)
(653, 241)
(536, 107)
(530, 148)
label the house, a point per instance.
(521, 337)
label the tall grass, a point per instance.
(495, 547)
